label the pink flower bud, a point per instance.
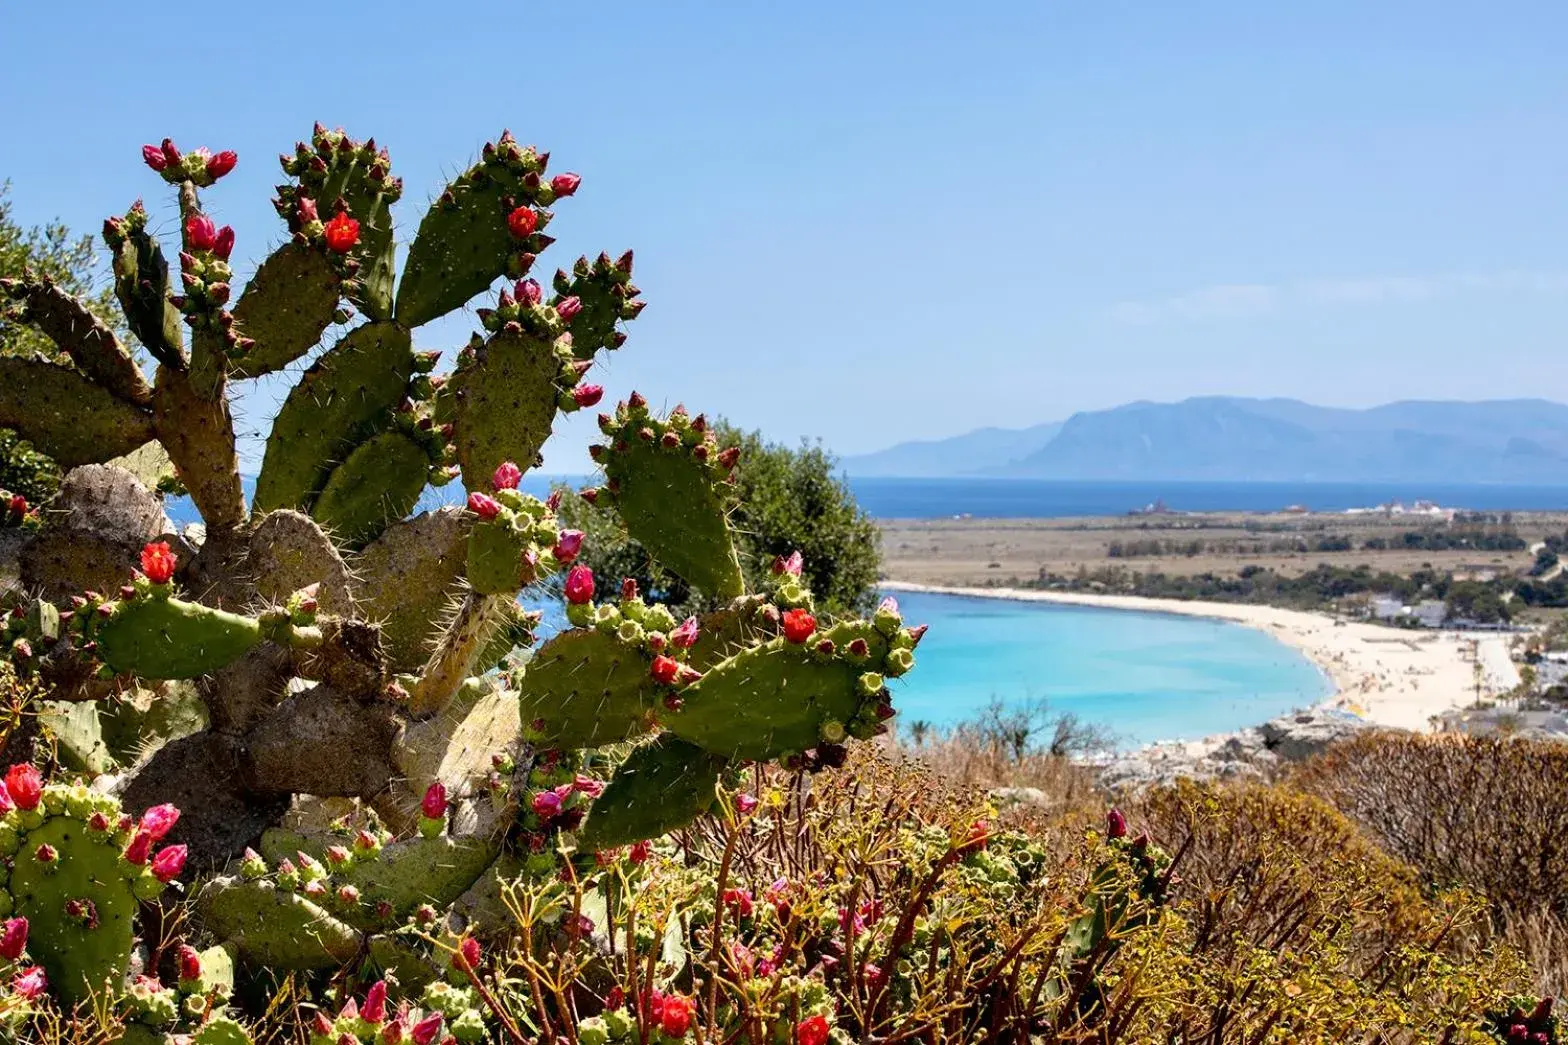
(24, 785)
(507, 476)
(467, 956)
(46, 854)
(158, 821)
(565, 184)
(686, 635)
(546, 804)
(427, 1029)
(221, 163)
(579, 585)
(566, 308)
(483, 505)
(190, 963)
(225, 242)
(170, 153)
(587, 395)
(307, 211)
(1116, 824)
(169, 862)
(30, 983)
(791, 565)
(433, 805)
(13, 940)
(153, 157)
(568, 545)
(200, 232)
(529, 292)
(745, 804)
(375, 1008)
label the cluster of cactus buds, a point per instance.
(199, 166)
(1526, 1022)
(448, 1011)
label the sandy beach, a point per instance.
(1388, 677)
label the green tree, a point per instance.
(53, 252)
(790, 499)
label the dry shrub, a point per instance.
(1295, 927)
(1487, 813)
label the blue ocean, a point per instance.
(1143, 676)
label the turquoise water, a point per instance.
(1145, 676)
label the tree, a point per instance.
(53, 252)
(790, 499)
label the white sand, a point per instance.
(1387, 676)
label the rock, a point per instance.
(1302, 735)
(1020, 796)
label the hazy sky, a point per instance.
(877, 221)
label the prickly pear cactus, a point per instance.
(344, 649)
(76, 870)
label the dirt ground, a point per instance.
(995, 551)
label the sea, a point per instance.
(1142, 677)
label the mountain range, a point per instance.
(1223, 438)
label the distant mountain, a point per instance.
(985, 450)
(1280, 440)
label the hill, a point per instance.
(1220, 438)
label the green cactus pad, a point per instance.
(463, 243)
(288, 551)
(346, 396)
(666, 481)
(408, 579)
(84, 338)
(585, 688)
(66, 415)
(376, 484)
(435, 871)
(371, 205)
(165, 638)
(515, 629)
(141, 283)
(663, 785)
(198, 433)
(79, 950)
(777, 698)
(273, 926)
(604, 288)
(221, 1030)
(505, 399)
(285, 308)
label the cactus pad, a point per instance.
(663, 785)
(408, 577)
(66, 415)
(378, 483)
(141, 283)
(166, 638)
(666, 481)
(605, 292)
(275, 926)
(285, 308)
(466, 240)
(586, 687)
(198, 433)
(505, 395)
(80, 902)
(347, 395)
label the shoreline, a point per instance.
(1383, 676)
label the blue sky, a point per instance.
(878, 221)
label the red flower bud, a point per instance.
(169, 862)
(225, 242)
(13, 941)
(728, 458)
(158, 562)
(342, 232)
(507, 476)
(565, 184)
(307, 210)
(433, 805)
(579, 585)
(791, 565)
(375, 1008)
(25, 786)
(568, 545)
(170, 153)
(686, 634)
(427, 1029)
(798, 625)
(466, 957)
(566, 308)
(160, 820)
(522, 222)
(17, 505)
(629, 589)
(200, 232)
(529, 291)
(483, 505)
(221, 163)
(587, 395)
(153, 157)
(665, 670)
(1116, 824)
(546, 804)
(190, 963)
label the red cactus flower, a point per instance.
(221, 163)
(30, 983)
(740, 899)
(1116, 824)
(225, 242)
(466, 957)
(640, 851)
(139, 849)
(685, 636)
(433, 805)
(798, 625)
(579, 585)
(483, 505)
(568, 545)
(566, 308)
(375, 1008)
(427, 1029)
(25, 785)
(565, 184)
(13, 940)
(169, 862)
(158, 562)
(812, 1031)
(342, 232)
(665, 670)
(507, 476)
(160, 820)
(190, 963)
(153, 157)
(200, 232)
(587, 395)
(675, 1016)
(18, 505)
(522, 222)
